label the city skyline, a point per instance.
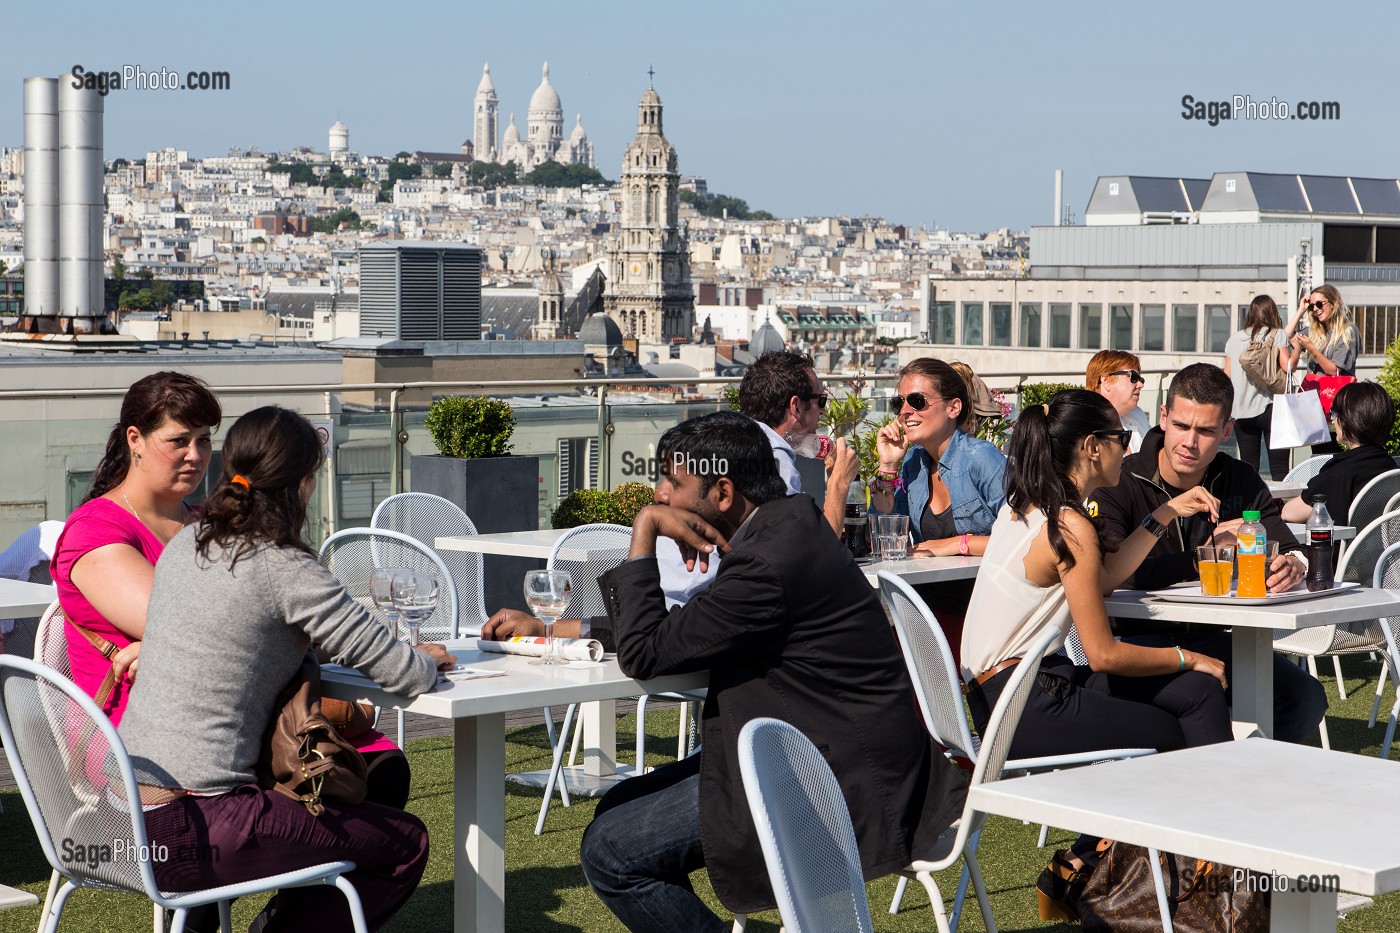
(923, 114)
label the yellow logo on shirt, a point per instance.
(1093, 506)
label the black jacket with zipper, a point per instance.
(1141, 490)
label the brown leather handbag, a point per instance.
(1203, 897)
(303, 756)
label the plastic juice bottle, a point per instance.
(1251, 552)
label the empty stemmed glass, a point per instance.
(381, 587)
(547, 594)
(415, 598)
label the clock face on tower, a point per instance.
(636, 269)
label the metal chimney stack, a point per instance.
(80, 171)
(41, 197)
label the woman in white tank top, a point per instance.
(1044, 565)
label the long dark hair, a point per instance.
(1262, 315)
(1041, 453)
(270, 451)
(147, 404)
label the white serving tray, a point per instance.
(1191, 593)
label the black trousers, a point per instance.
(1252, 434)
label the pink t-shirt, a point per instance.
(92, 525)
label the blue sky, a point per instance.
(954, 114)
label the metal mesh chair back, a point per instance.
(50, 644)
(1392, 505)
(937, 683)
(1387, 576)
(1363, 553)
(1307, 469)
(427, 517)
(804, 829)
(1001, 725)
(611, 544)
(352, 556)
(1073, 649)
(74, 776)
(1370, 502)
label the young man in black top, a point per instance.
(1183, 452)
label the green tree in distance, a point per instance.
(557, 175)
(442, 169)
(718, 205)
(331, 223)
(492, 175)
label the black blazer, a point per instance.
(791, 629)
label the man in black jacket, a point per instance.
(1183, 452)
(790, 628)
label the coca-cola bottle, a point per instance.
(816, 446)
(1319, 546)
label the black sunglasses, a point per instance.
(1122, 435)
(821, 400)
(1132, 374)
(1318, 305)
(917, 401)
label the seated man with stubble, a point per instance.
(1181, 453)
(790, 628)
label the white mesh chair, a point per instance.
(47, 723)
(427, 517)
(1357, 565)
(1307, 469)
(51, 650)
(804, 829)
(1370, 502)
(1387, 576)
(352, 556)
(938, 688)
(1393, 504)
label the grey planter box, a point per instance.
(498, 494)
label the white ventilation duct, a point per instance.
(80, 289)
(41, 196)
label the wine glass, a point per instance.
(415, 597)
(381, 587)
(547, 594)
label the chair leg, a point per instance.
(682, 729)
(1045, 831)
(899, 893)
(226, 916)
(978, 885)
(935, 899)
(159, 923)
(352, 897)
(1322, 726)
(554, 770)
(50, 924)
(401, 732)
(959, 897)
(641, 734)
(54, 882)
(1380, 689)
(177, 922)
(574, 745)
(740, 922)
(1390, 728)
(1160, 885)
(1337, 670)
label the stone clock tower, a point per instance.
(650, 296)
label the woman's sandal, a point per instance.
(1059, 886)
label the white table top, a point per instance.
(1258, 804)
(538, 543)
(1359, 605)
(20, 599)
(525, 686)
(1339, 532)
(917, 570)
(1281, 490)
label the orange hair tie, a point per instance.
(242, 480)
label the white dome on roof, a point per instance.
(578, 134)
(545, 97)
(486, 82)
(512, 134)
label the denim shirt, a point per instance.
(972, 470)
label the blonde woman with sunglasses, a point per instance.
(1324, 337)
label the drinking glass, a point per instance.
(415, 598)
(547, 594)
(1217, 566)
(892, 533)
(381, 587)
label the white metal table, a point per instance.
(1339, 532)
(537, 543)
(1252, 670)
(1281, 490)
(1236, 803)
(477, 709)
(20, 599)
(917, 570)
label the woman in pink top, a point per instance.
(104, 561)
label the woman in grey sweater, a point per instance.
(237, 600)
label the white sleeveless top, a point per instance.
(1007, 611)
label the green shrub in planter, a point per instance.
(631, 498)
(1389, 379)
(470, 426)
(588, 507)
(1039, 393)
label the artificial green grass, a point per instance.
(545, 891)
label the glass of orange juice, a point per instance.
(1217, 566)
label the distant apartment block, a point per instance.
(420, 291)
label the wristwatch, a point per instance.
(1154, 527)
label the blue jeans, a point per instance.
(641, 847)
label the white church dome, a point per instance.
(545, 97)
(486, 83)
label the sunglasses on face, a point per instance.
(917, 401)
(1122, 435)
(821, 400)
(1318, 305)
(1132, 374)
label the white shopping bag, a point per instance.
(1298, 421)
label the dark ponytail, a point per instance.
(268, 454)
(145, 407)
(1041, 453)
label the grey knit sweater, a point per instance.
(219, 646)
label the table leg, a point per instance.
(1252, 687)
(600, 738)
(479, 823)
(1294, 911)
